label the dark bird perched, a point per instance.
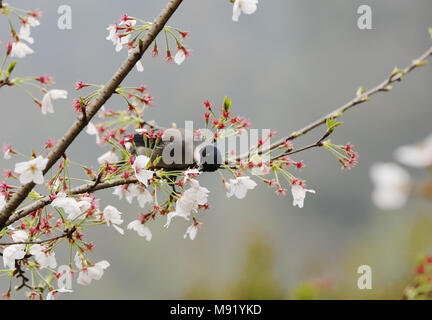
(178, 149)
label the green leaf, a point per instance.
(227, 104)
(360, 91)
(419, 63)
(332, 124)
(430, 32)
(11, 68)
(34, 195)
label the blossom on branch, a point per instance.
(299, 194)
(141, 229)
(419, 156)
(53, 295)
(112, 216)
(43, 257)
(392, 185)
(141, 173)
(31, 171)
(89, 273)
(240, 186)
(245, 6)
(47, 106)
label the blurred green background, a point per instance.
(284, 66)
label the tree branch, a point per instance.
(94, 107)
(67, 233)
(86, 188)
(382, 87)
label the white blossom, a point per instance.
(87, 274)
(143, 196)
(20, 49)
(53, 295)
(32, 21)
(191, 231)
(240, 186)
(141, 173)
(188, 202)
(2, 201)
(127, 191)
(299, 194)
(116, 39)
(138, 65)
(92, 130)
(419, 156)
(12, 253)
(24, 34)
(113, 216)
(47, 105)
(245, 6)
(42, 257)
(110, 157)
(141, 229)
(179, 57)
(19, 236)
(392, 185)
(71, 206)
(31, 171)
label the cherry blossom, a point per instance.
(7, 151)
(179, 57)
(42, 256)
(141, 173)
(113, 216)
(47, 106)
(31, 171)
(32, 21)
(245, 6)
(20, 49)
(418, 156)
(143, 195)
(19, 236)
(118, 40)
(191, 231)
(392, 185)
(110, 157)
(141, 229)
(24, 34)
(240, 186)
(92, 130)
(71, 206)
(53, 295)
(87, 274)
(299, 194)
(2, 201)
(139, 66)
(128, 191)
(188, 202)
(12, 253)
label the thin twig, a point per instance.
(67, 234)
(382, 87)
(93, 108)
(86, 188)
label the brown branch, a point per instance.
(94, 107)
(382, 87)
(67, 233)
(86, 188)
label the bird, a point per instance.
(178, 149)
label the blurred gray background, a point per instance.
(284, 66)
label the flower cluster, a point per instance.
(18, 47)
(393, 183)
(129, 30)
(421, 288)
